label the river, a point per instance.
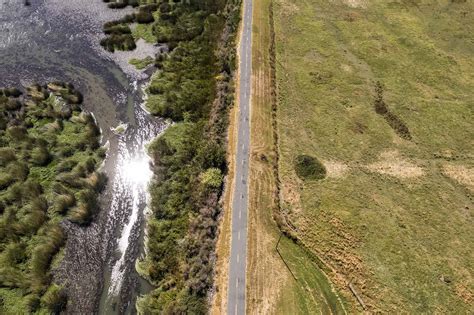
(59, 40)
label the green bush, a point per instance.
(308, 167)
(40, 156)
(141, 64)
(5, 180)
(18, 170)
(6, 155)
(144, 17)
(117, 29)
(13, 92)
(119, 42)
(17, 133)
(62, 203)
(212, 177)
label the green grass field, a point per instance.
(394, 216)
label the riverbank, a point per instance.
(193, 86)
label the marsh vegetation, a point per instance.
(48, 173)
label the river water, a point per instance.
(59, 40)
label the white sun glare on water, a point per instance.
(136, 173)
(137, 170)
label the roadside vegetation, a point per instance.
(381, 93)
(193, 86)
(49, 155)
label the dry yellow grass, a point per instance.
(266, 273)
(461, 173)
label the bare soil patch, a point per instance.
(393, 164)
(356, 3)
(336, 169)
(460, 173)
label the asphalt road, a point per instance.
(238, 254)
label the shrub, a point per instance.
(12, 278)
(117, 29)
(141, 64)
(212, 178)
(72, 97)
(144, 17)
(6, 156)
(40, 156)
(118, 41)
(30, 223)
(14, 253)
(82, 213)
(62, 203)
(5, 180)
(37, 92)
(118, 5)
(17, 133)
(66, 166)
(18, 170)
(12, 105)
(13, 92)
(308, 167)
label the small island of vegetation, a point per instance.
(49, 158)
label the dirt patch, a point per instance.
(460, 173)
(393, 164)
(336, 169)
(347, 68)
(464, 293)
(289, 8)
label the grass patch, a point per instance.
(144, 31)
(141, 64)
